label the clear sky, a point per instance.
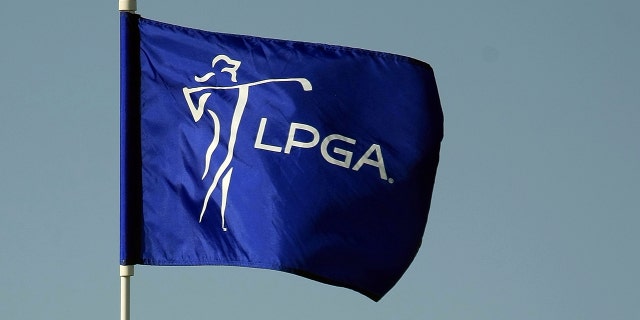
(535, 210)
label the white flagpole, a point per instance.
(126, 272)
(127, 5)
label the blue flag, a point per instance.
(311, 159)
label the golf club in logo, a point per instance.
(222, 175)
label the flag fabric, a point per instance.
(312, 159)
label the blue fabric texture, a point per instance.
(312, 159)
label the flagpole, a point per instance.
(126, 272)
(127, 6)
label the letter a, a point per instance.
(378, 164)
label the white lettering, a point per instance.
(378, 164)
(291, 142)
(346, 163)
(259, 144)
(346, 155)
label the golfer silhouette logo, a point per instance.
(225, 169)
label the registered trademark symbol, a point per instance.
(391, 181)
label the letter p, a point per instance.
(291, 142)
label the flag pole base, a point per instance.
(126, 272)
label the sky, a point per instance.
(535, 209)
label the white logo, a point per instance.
(331, 154)
(225, 171)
